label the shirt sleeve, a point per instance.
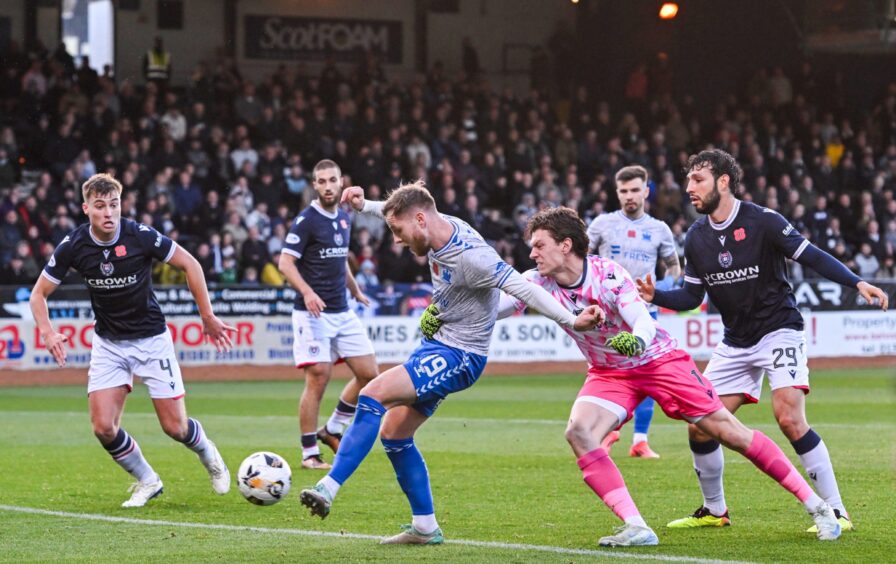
(691, 276)
(483, 268)
(782, 235)
(155, 244)
(297, 238)
(57, 267)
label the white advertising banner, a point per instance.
(268, 340)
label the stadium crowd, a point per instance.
(221, 165)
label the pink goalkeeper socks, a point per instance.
(602, 476)
(766, 455)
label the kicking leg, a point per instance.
(391, 389)
(172, 414)
(364, 369)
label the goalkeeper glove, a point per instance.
(429, 322)
(627, 344)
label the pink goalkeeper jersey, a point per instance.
(609, 286)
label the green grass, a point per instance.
(501, 472)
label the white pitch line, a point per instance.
(465, 420)
(358, 536)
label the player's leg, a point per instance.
(397, 436)
(643, 417)
(736, 381)
(106, 406)
(768, 457)
(390, 389)
(364, 369)
(109, 381)
(786, 364)
(312, 351)
(316, 378)
(601, 407)
(349, 342)
(162, 376)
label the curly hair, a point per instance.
(719, 163)
(562, 223)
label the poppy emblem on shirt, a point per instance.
(435, 268)
(740, 234)
(632, 233)
(725, 259)
(120, 251)
(343, 223)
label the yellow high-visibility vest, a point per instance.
(157, 69)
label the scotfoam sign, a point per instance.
(288, 38)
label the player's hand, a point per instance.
(591, 317)
(362, 299)
(354, 196)
(218, 332)
(646, 288)
(872, 293)
(627, 344)
(429, 321)
(55, 343)
(314, 304)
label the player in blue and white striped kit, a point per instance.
(467, 275)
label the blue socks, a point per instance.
(410, 469)
(358, 439)
(643, 415)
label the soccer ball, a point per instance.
(264, 478)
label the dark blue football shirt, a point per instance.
(118, 275)
(319, 241)
(740, 263)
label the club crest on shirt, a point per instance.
(725, 259)
(313, 350)
(106, 268)
(337, 238)
(646, 235)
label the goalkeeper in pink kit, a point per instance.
(630, 357)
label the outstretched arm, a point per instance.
(835, 271)
(680, 299)
(354, 196)
(55, 342)
(213, 327)
(538, 299)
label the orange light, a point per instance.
(668, 10)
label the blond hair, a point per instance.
(407, 197)
(101, 185)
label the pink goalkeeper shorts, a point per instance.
(673, 380)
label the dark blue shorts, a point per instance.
(438, 370)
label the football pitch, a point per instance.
(505, 483)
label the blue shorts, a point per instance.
(437, 370)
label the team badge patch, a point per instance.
(725, 259)
(740, 234)
(313, 350)
(645, 235)
(337, 238)
(120, 251)
(106, 268)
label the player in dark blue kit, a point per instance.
(114, 257)
(314, 260)
(736, 254)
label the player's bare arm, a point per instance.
(646, 288)
(673, 267)
(55, 342)
(354, 289)
(215, 329)
(288, 268)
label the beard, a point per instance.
(711, 203)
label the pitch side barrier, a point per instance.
(838, 324)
